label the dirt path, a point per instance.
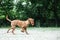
(34, 34)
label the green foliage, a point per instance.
(2, 16)
(45, 12)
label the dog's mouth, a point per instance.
(32, 24)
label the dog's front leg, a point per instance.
(25, 29)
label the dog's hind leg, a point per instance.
(8, 30)
(13, 30)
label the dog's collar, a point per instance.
(29, 21)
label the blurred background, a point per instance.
(46, 13)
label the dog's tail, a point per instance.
(8, 18)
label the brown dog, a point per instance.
(20, 23)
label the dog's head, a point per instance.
(31, 21)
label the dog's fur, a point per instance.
(20, 23)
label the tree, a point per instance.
(6, 7)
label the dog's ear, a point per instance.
(30, 19)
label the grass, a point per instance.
(35, 28)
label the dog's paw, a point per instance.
(22, 31)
